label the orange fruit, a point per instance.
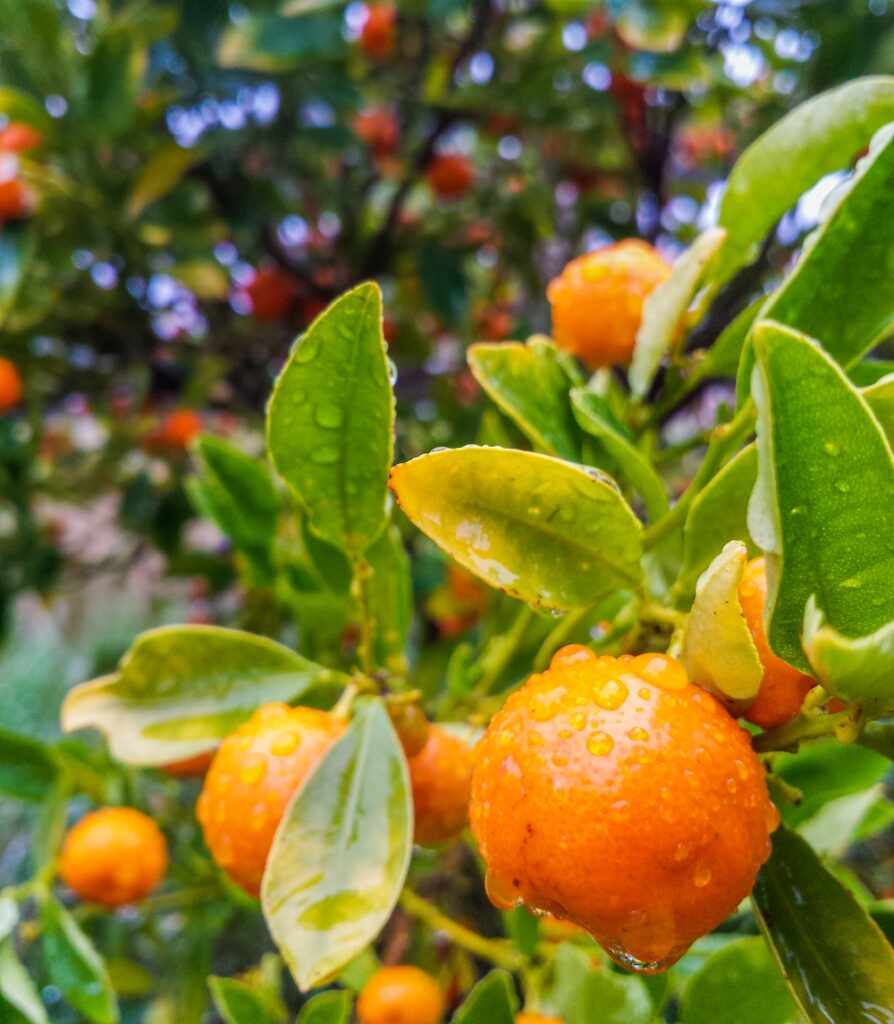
(449, 175)
(597, 301)
(114, 856)
(400, 995)
(10, 385)
(271, 294)
(180, 427)
(251, 780)
(189, 767)
(15, 199)
(377, 128)
(377, 37)
(410, 724)
(614, 793)
(441, 781)
(783, 687)
(19, 138)
(526, 1017)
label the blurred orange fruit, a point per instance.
(10, 385)
(377, 37)
(251, 780)
(449, 175)
(597, 301)
(526, 1017)
(400, 995)
(441, 782)
(783, 687)
(114, 856)
(189, 767)
(614, 793)
(180, 427)
(271, 294)
(19, 138)
(378, 128)
(15, 199)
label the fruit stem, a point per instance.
(725, 441)
(661, 615)
(501, 650)
(493, 950)
(802, 727)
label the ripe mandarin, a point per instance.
(10, 385)
(613, 792)
(597, 301)
(114, 856)
(525, 1017)
(189, 767)
(271, 294)
(400, 995)
(251, 780)
(19, 138)
(441, 781)
(377, 37)
(15, 199)
(449, 175)
(180, 427)
(783, 687)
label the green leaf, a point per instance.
(823, 506)
(326, 1008)
(160, 174)
(530, 385)
(491, 1001)
(17, 105)
(593, 414)
(839, 290)
(858, 670)
(718, 650)
(239, 1003)
(341, 853)
(722, 357)
(181, 689)
(19, 998)
(28, 769)
(879, 736)
(268, 42)
(718, 513)
(666, 306)
(9, 916)
(555, 535)
(882, 912)
(74, 966)
(390, 597)
(834, 828)
(330, 421)
(836, 960)
(880, 398)
(818, 137)
(738, 983)
(870, 372)
(237, 493)
(622, 999)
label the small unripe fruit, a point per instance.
(114, 856)
(400, 995)
(450, 175)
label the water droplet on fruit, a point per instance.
(500, 893)
(285, 744)
(626, 959)
(638, 734)
(701, 876)
(600, 743)
(577, 720)
(253, 770)
(543, 709)
(611, 695)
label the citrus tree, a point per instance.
(631, 573)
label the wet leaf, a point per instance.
(740, 982)
(390, 598)
(542, 530)
(836, 960)
(666, 306)
(491, 1001)
(74, 966)
(580, 986)
(326, 1008)
(341, 853)
(530, 385)
(239, 1003)
(821, 135)
(718, 650)
(880, 398)
(823, 506)
(330, 421)
(181, 689)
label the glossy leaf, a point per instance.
(870, 371)
(718, 650)
(237, 493)
(341, 853)
(74, 966)
(821, 135)
(622, 999)
(28, 769)
(666, 306)
(159, 175)
(880, 398)
(823, 506)
(530, 385)
(592, 413)
(330, 420)
(390, 597)
(19, 999)
(718, 513)
(836, 960)
(722, 357)
(555, 535)
(839, 289)
(239, 1003)
(858, 670)
(181, 689)
(882, 912)
(491, 1001)
(836, 825)
(326, 1008)
(738, 983)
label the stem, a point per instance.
(661, 615)
(494, 950)
(725, 440)
(501, 650)
(802, 727)
(367, 624)
(557, 637)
